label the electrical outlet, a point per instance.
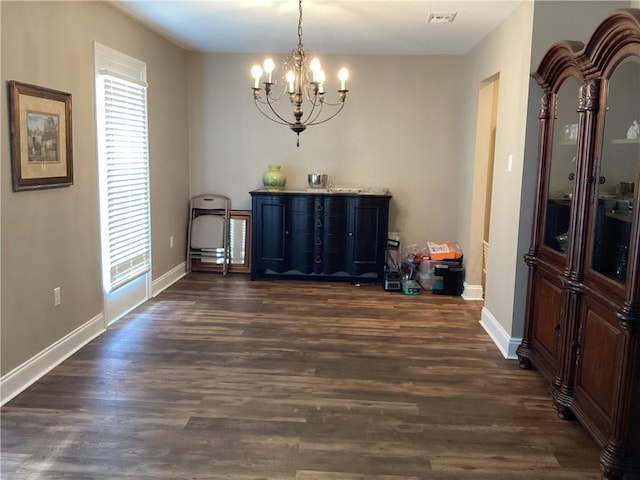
(171, 241)
(57, 296)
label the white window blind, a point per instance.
(124, 159)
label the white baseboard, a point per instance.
(168, 279)
(472, 292)
(498, 334)
(36, 367)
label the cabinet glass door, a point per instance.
(619, 166)
(562, 166)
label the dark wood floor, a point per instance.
(224, 378)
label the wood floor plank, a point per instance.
(225, 378)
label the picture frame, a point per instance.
(41, 137)
(240, 241)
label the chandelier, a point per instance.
(304, 84)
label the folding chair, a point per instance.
(208, 236)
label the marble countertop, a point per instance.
(328, 191)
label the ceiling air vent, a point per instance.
(441, 17)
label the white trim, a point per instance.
(23, 376)
(124, 78)
(168, 279)
(123, 300)
(472, 292)
(123, 65)
(506, 344)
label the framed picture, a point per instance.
(240, 241)
(41, 137)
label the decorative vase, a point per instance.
(274, 178)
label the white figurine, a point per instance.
(634, 131)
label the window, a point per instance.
(123, 157)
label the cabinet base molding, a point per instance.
(562, 396)
(616, 465)
(563, 411)
(334, 277)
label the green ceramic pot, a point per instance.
(274, 178)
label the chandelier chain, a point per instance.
(300, 23)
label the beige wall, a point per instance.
(50, 238)
(399, 129)
(568, 20)
(504, 52)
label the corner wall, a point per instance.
(504, 53)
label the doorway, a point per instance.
(483, 171)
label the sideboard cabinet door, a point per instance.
(270, 227)
(368, 226)
(331, 234)
(300, 240)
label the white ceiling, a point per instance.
(393, 27)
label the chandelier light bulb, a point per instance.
(256, 73)
(268, 68)
(320, 79)
(343, 74)
(314, 66)
(291, 78)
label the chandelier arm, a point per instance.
(264, 102)
(279, 120)
(309, 120)
(328, 118)
(282, 119)
(275, 98)
(268, 94)
(314, 104)
(336, 104)
(311, 91)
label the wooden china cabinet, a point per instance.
(582, 325)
